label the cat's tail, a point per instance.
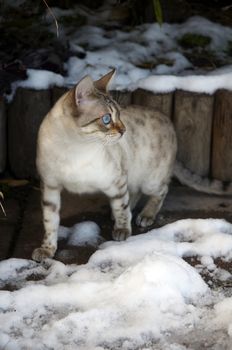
(202, 184)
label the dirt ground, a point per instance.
(22, 230)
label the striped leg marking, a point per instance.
(120, 205)
(51, 219)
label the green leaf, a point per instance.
(158, 11)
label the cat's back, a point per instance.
(149, 142)
(143, 122)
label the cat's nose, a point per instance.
(122, 130)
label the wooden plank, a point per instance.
(193, 122)
(161, 102)
(2, 135)
(222, 136)
(122, 97)
(25, 115)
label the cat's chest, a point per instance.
(83, 172)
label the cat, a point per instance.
(87, 143)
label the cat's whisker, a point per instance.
(93, 139)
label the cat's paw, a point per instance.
(121, 234)
(144, 221)
(40, 254)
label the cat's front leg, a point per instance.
(120, 205)
(51, 219)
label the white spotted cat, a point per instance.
(87, 144)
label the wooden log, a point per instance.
(25, 115)
(122, 97)
(3, 141)
(222, 136)
(161, 102)
(56, 93)
(193, 114)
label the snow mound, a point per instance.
(82, 234)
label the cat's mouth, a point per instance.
(113, 138)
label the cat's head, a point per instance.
(98, 115)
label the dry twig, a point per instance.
(1, 206)
(52, 14)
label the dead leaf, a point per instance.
(14, 182)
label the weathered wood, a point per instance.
(162, 102)
(193, 122)
(25, 115)
(193, 118)
(122, 97)
(56, 93)
(2, 135)
(222, 136)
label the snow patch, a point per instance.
(140, 55)
(37, 80)
(137, 294)
(84, 233)
(201, 83)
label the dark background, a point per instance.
(26, 42)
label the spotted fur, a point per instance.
(133, 154)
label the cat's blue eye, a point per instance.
(106, 119)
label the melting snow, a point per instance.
(84, 233)
(141, 293)
(129, 52)
(137, 294)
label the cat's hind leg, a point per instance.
(51, 219)
(148, 214)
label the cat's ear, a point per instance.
(103, 83)
(83, 89)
